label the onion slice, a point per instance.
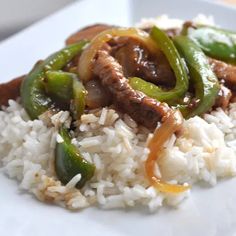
(172, 124)
(87, 56)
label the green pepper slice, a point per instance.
(58, 84)
(34, 99)
(177, 64)
(205, 83)
(69, 162)
(215, 42)
(79, 94)
(65, 87)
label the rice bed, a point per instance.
(117, 146)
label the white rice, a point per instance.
(205, 151)
(164, 22)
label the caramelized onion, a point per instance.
(87, 57)
(172, 124)
(97, 96)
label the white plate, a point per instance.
(209, 211)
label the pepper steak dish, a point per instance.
(123, 116)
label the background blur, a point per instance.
(18, 14)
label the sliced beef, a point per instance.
(136, 60)
(224, 71)
(144, 110)
(10, 90)
(223, 98)
(87, 33)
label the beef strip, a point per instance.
(226, 74)
(223, 98)
(136, 60)
(87, 33)
(144, 110)
(10, 90)
(224, 71)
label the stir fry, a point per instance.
(154, 76)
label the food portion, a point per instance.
(124, 116)
(10, 90)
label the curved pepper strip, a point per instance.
(79, 94)
(34, 99)
(215, 42)
(65, 88)
(87, 57)
(205, 83)
(177, 64)
(69, 162)
(172, 124)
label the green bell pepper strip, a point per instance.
(79, 94)
(177, 64)
(215, 42)
(58, 84)
(69, 162)
(33, 96)
(65, 87)
(205, 83)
